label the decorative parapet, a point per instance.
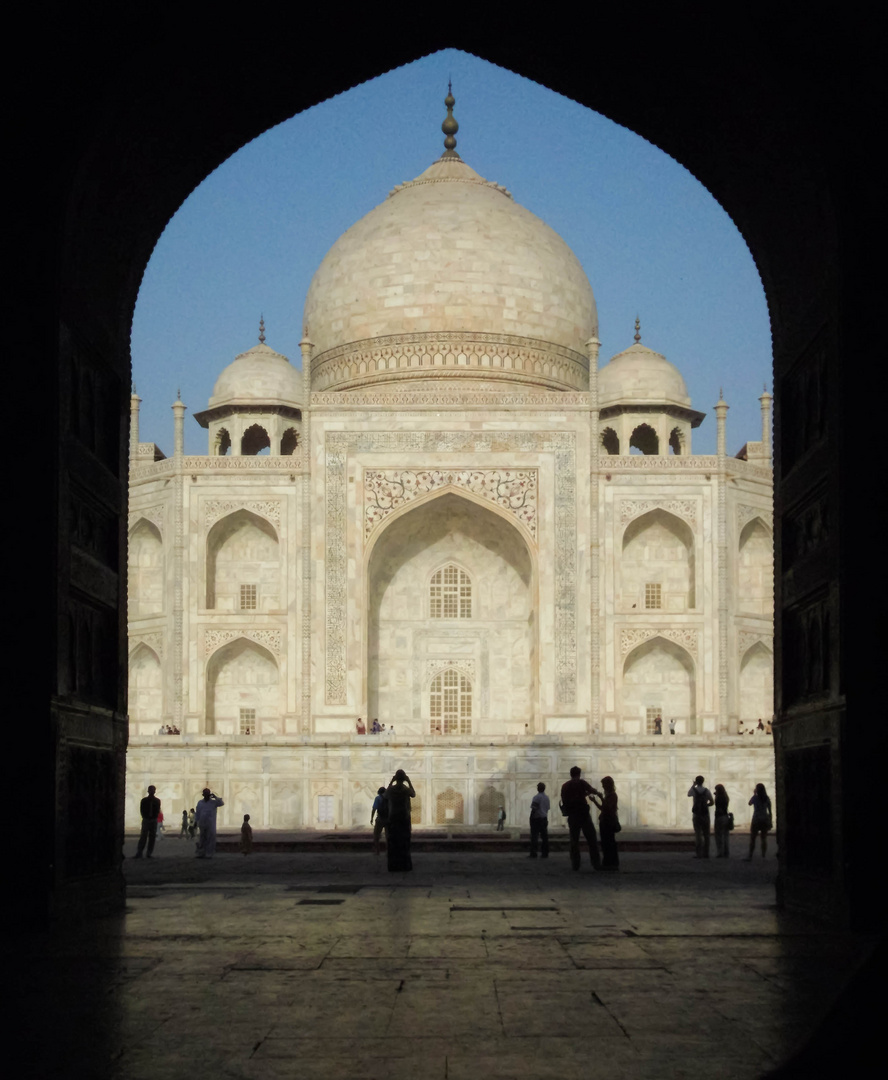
(215, 639)
(450, 355)
(749, 470)
(217, 508)
(657, 462)
(289, 463)
(386, 490)
(633, 508)
(631, 639)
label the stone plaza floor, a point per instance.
(323, 965)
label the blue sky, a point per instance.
(652, 240)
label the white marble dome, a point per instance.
(258, 376)
(638, 375)
(451, 253)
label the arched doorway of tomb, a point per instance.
(450, 597)
(659, 677)
(756, 685)
(145, 690)
(755, 570)
(658, 564)
(242, 691)
(243, 564)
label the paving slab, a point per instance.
(320, 964)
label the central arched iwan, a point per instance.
(411, 636)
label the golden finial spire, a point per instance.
(450, 127)
(637, 330)
(261, 329)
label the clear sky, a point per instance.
(652, 240)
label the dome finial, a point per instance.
(637, 330)
(450, 127)
(261, 329)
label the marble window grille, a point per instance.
(653, 596)
(248, 597)
(650, 716)
(248, 721)
(450, 594)
(325, 809)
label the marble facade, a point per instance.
(453, 521)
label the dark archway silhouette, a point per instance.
(773, 122)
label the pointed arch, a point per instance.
(145, 689)
(658, 674)
(658, 549)
(242, 689)
(243, 564)
(450, 528)
(755, 568)
(145, 570)
(756, 684)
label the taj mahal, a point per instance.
(455, 517)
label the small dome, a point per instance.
(640, 376)
(258, 376)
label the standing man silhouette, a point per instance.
(575, 804)
(149, 808)
(206, 822)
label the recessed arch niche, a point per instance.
(145, 690)
(658, 674)
(658, 548)
(243, 549)
(496, 646)
(756, 685)
(242, 675)
(145, 570)
(755, 569)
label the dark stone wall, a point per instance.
(121, 110)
